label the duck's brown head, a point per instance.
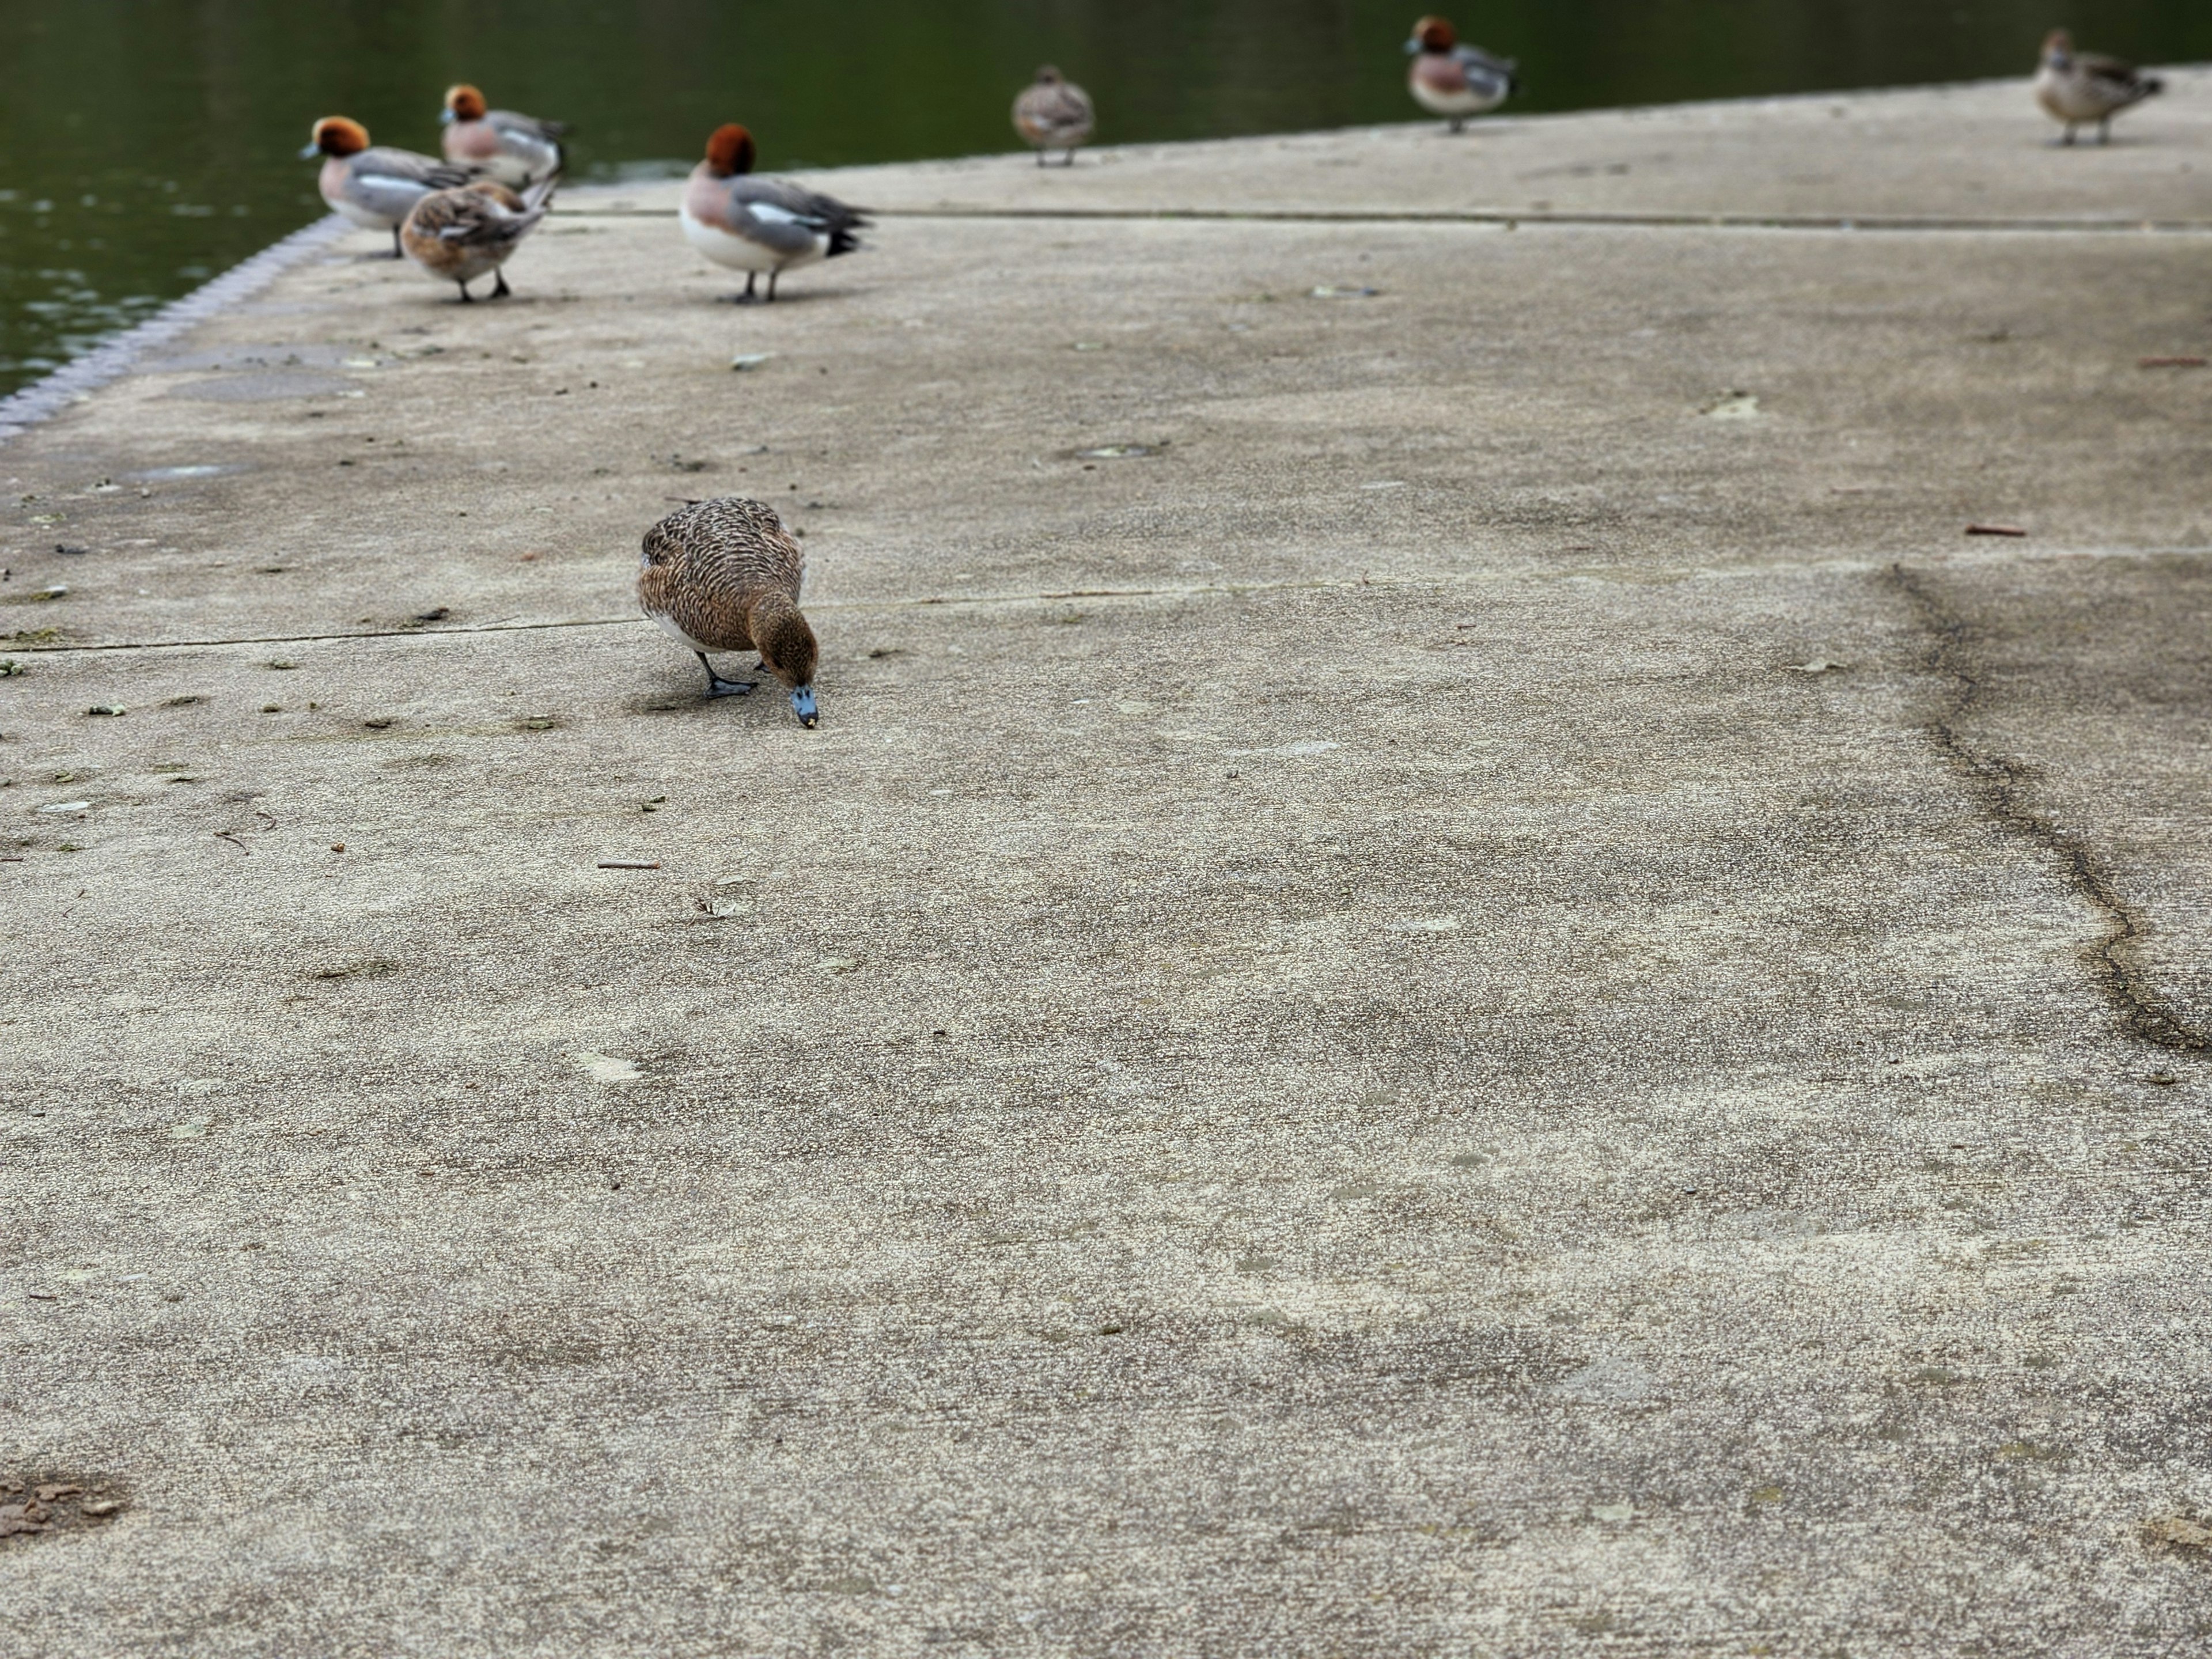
(2058, 46)
(788, 650)
(1047, 75)
(334, 135)
(1432, 34)
(730, 151)
(464, 103)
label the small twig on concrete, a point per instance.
(630, 864)
(232, 837)
(1995, 529)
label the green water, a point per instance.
(146, 144)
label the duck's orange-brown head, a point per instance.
(786, 643)
(730, 151)
(1434, 35)
(336, 135)
(464, 103)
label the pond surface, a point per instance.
(145, 145)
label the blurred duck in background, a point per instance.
(2078, 88)
(754, 225)
(460, 234)
(1053, 113)
(1453, 80)
(374, 186)
(518, 150)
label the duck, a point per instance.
(460, 234)
(1453, 80)
(724, 576)
(2078, 88)
(754, 225)
(519, 150)
(1053, 112)
(377, 187)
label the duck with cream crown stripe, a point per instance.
(2078, 88)
(757, 225)
(376, 186)
(1450, 79)
(519, 150)
(724, 576)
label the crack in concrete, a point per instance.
(2124, 982)
(1821, 221)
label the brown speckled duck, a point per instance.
(724, 576)
(460, 234)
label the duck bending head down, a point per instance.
(725, 575)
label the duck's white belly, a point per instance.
(1469, 102)
(738, 253)
(667, 625)
(366, 218)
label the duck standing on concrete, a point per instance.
(1453, 80)
(1051, 114)
(377, 187)
(724, 576)
(754, 225)
(2080, 86)
(518, 150)
(460, 234)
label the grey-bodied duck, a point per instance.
(724, 576)
(757, 225)
(374, 185)
(520, 150)
(1452, 79)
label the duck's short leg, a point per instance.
(2105, 130)
(398, 252)
(467, 298)
(1067, 157)
(772, 275)
(748, 296)
(719, 687)
(1459, 123)
(1040, 155)
(2069, 138)
(500, 290)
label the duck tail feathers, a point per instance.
(2151, 83)
(541, 193)
(844, 233)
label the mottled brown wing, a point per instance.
(706, 564)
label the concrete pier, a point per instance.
(1453, 973)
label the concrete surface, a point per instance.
(1506, 1000)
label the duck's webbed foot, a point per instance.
(500, 290)
(748, 297)
(719, 687)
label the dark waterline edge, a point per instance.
(111, 359)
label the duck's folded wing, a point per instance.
(1481, 68)
(2109, 70)
(508, 120)
(787, 217)
(423, 171)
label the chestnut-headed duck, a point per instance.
(460, 234)
(519, 150)
(1053, 113)
(754, 225)
(2078, 88)
(377, 187)
(1450, 79)
(724, 576)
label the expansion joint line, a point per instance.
(2113, 960)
